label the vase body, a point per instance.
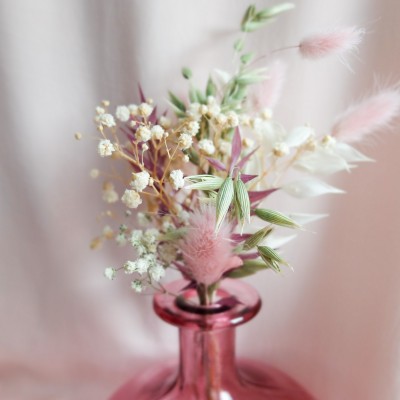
(207, 368)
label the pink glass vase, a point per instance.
(207, 368)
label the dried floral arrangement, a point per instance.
(199, 174)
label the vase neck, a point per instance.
(207, 357)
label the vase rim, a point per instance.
(239, 303)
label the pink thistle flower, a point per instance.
(339, 40)
(269, 91)
(207, 254)
(368, 116)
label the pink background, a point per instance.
(67, 333)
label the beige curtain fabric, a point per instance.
(67, 333)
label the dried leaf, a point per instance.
(248, 268)
(275, 217)
(224, 200)
(243, 199)
(309, 188)
(255, 239)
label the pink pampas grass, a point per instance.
(269, 91)
(368, 116)
(207, 254)
(336, 41)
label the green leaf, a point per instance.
(272, 12)
(275, 217)
(193, 95)
(204, 182)
(271, 263)
(200, 97)
(248, 268)
(242, 199)
(248, 15)
(249, 78)
(224, 200)
(177, 102)
(270, 254)
(186, 72)
(240, 93)
(193, 156)
(211, 89)
(246, 58)
(238, 45)
(255, 239)
(253, 26)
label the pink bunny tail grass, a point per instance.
(370, 115)
(336, 41)
(207, 255)
(269, 91)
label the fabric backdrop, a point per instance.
(67, 333)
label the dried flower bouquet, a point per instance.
(201, 173)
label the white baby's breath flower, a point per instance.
(176, 179)
(157, 132)
(281, 149)
(203, 109)
(110, 273)
(142, 265)
(186, 158)
(266, 113)
(328, 141)
(165, 122)
(133, 109)
(244, 120)
(122, 113)
(100, 110)
(232, 119)
(129, 267)
(140, 180)
(110, 195)
(247, 142)
(106, 120)
(185, 141)
(143, 134)
(150, 238)
(136, 237)
(137, 286)
(156, 272)
(220, 119)
(211, 100)
(131, 198)
(145, 147)
(105, 148)
(207, 146)
(194, 110)
(213, 110)
(121, 239)
(224, 147)
(145, 109)
(78, 136)
(192, 127)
